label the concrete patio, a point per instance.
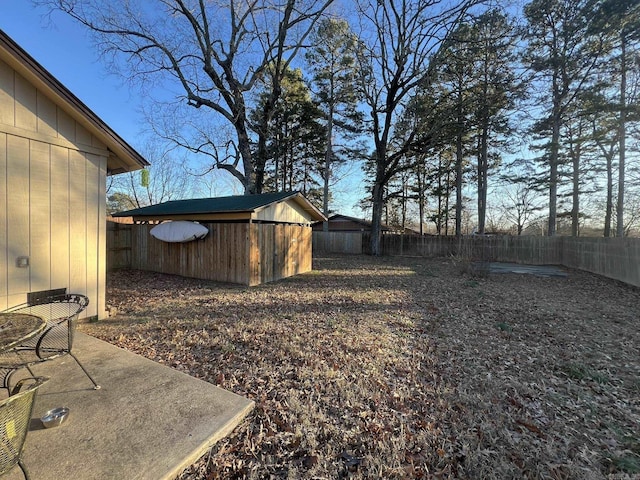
(147, 421)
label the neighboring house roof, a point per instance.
(236, 207)
(365, 224)
(122, 156)
(344, 223)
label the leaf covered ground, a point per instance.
(402, 368)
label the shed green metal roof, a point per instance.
(230, 204)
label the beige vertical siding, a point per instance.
(101, 260)
(77, 222)
(60, 217)
(7, 109)
(52, 206)
(40, 215)
(282, 212)
(4, 250)
(17, 211)
(26, 105)
(92, 222)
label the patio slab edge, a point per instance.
(147, 422)
(210, 442)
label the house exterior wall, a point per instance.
(52, 198)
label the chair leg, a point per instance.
(24, 470)
(6, 376)
(95, 385)
(7, 379)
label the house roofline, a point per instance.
(125, 157)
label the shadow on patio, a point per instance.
(147, 421)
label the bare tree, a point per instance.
(400, 40)
(214, 52)
(520, 202)
(166, 179)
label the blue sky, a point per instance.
(63, 48)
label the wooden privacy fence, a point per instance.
(617, 258)
(251, 254)
(118, 245)
(337, 242)
(529, 250)
(243, 253)
(523, 249)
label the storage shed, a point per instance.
(252, 239)
(55, 155)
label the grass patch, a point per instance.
(627, 463)
(582, 372)
(504, 327)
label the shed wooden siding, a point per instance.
(244, 253)
(52, 208)
(282, 212)
(221, 256)
(279, 251)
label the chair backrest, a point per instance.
(15, 417)
(42, 295)
(59, 307)
(60, 312)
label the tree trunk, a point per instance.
(446, 203)
(609, 209)
(404, 204)
(440, 196)
(482, 176)
(421, 200)
(459, 160)
(622, 134)
(553, 171)
(244, 146)
(328, 157)
(575, 210)
(376, 220)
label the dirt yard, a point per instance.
(402, 368)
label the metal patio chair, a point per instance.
(15, 417)
(60, 311)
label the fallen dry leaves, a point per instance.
(402, 368)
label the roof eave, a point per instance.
(307, 206)
(123, 158)
(198, 217)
